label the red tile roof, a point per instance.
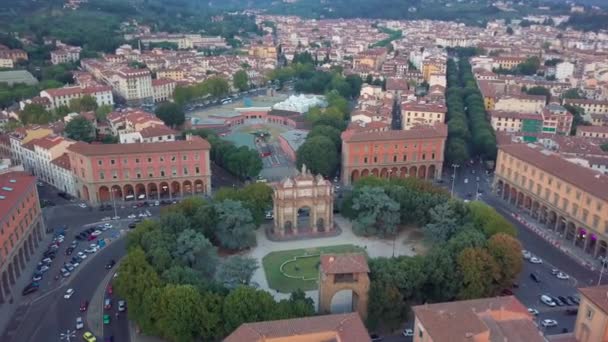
(344, 263)
(156, 131)
(48, 142)
(62, 161)
(18, 183)
(586, 179)
(515, 115)
(345, 327)
(598, 295)
(196, 143)
(420, 132)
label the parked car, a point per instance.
(535, 277)
(536, 260)
(574, 300)
(375, 337)
(106, 319)
(107, 304)
(557, 301)
(89, 337)
(97, 232)
(122, 305)
(84, 305)
(110, 264)
(533, 311)
(547, 323)
(563, 276)
(547, 300)
(37, 277)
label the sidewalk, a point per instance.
(16, 306)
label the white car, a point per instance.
(156, 203)
(116, 218)
(43, 268)
(90, 250)
(547, 323)
(132, 216)
(79, 323)
(107, 218)
(142, 215)
(547, 300)
(536, 260)
(82, 255)
(533, 311)
(408, 332)
(562, 276)
(82, 205)
(47, 260)
(96, 233)
(68, 293)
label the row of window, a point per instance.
(172, 158)
(395, 159)
(150, 173)
(366, 148)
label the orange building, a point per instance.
(141, 171)
(21, 229)
(566, 197)
(339, 327)
(417, 152)
(478, 320)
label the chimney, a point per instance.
(331, 259)
(188, 136)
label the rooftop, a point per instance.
(195, 143)
(339, 327)
(420, 132)
(598, 295)
(13, 185)
(344, 263)
(17, 76)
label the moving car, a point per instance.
(547, 323)
(106, 319)
(79, 323)
(533, 311)
(84, 305)
(547, 300)
(107, 304)
(563, 276)
(536, 260)
(97, 232)
(408, 332)
(68, 293)
(89, 337)
(535, 277)
(29, 289)
(110, 264)
(122, 305)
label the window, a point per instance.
(596, 221)
(173, 158)
(138, 174)
(150, 172)
(578, 195)
(185, 157)
(394, 159)
(114, 174)
(598, 206)
(102, 175)
(112, 161)
(185, 171)
(99, 162)
(574, 210)
(375, 159)
(197, 170)
(136, 160)
(364, 160)
(433, 156)
(125, 161)
(162, 172)
(424, 156)
(589, 313)
(126, 173)
(585, 214)
(149, 160)
(196, 156)
(173, 171)
(405, 157)
(162, 159)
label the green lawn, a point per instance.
(304, 268)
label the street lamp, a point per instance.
(455, 166)
(114, 202)
(604, 262)
(477, 192)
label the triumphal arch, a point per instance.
(303, 204)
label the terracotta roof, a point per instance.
(64, 91)
(62, 161)
(598, 295)
(18, 183)
(423, 107)
(461, 320)
(339, 327)
(196, 143)
(586, 101)
(421, 132)
(515, 115)
(592, 129)
(344, 263)
(48, 142)
(162, 81)
(155, 131)
(586, 179)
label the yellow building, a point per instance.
(592, 320)
(521, 103)
(176, 74)
(566, 197)
(263, 51)
(430, 67)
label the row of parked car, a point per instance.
(45, 264)
(553, 301)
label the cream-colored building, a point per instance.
(592, 321)
(416, 113)
(521, 103)
(503, 121)
(163, 89)
(64, 96)
(566, 197)
(22, 136)
(590, 106)
(134, 85)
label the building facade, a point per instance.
(592, 319)
(590, 106)
(413, 114)
(63, 96)
(134, 85)
(566, 197)
(521, 103)
(417, 152)
(21, 230)
(141, 171)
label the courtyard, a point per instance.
(287, 271)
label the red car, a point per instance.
(84, 305)
(110, 289)
(91, 237)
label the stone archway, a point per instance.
(499, 187)
(129, 192)
(140, 192)
(602, 249)
(199, 186)
(104, 194)
(338, 272)
(365, 173)
(176, 189)
(431, 172)
(164, 190)
(116, 192)
(303, 197)
(413, 171)
(384, 173)
(85, 193)
(354, 176)
(570, 231)
(375, 172)
(507, 192)
(422, 172)
(187, 188)
(403, 172)
(153, 191)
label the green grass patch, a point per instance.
(300, 267)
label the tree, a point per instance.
(298, 305)
(480, 273)
(80, 129)
(319, 154)
(506, 251)
(102, 112)
(240, 80)
(386, 305)
(236, 270)
(443, 223)
(171, 113)
(246, 305)
(181, 314)
(573, 93)
(509, 30)
(35, 114)
(329, 132)
(136, 278)
(84, 104)
(540, 91)
(377, 214)
(235, 228)
(486, 219)
(194, 250)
